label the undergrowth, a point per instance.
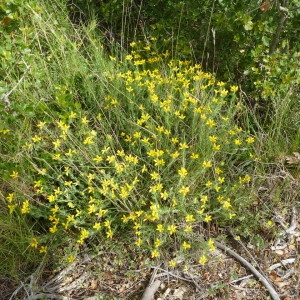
(136, 144)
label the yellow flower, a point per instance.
(231, 216)
(159, 162)
(109, 234)
(10, 197)
(223, 92)
(56, 156)
(91, 209)
(41, 125)
(154, 253)
(164, 195)
(84, 120)
(213, 138)
(14, 174)
(138, 242)
(185, 245)
(160, 228)
(174, 140)
(12, 208)
(226, 205)
(237, 142)
(182, 172)
(207, 218)
(71, 258)
(188, 228)
(211, 244)
(207, 164)
(83, 235)
(34, 243)
(154, 176)
(157, 243)
(72, 115)
(51, 198)
(184, 190)
(210, 123)
(204, 199)
(172, 229)
(56, 144)
(194, 155)
(183, 146)
(174, 154)
(190, 218)
(36, 138)
(216, 147)
(70, 204)
(25, 207)
(202, 259)
(43, 249)
(208, 184)
(233, 88)
(144, 169)
(156, 188)
(250, 140)
(172, 263)
(221, 179)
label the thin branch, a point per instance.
(280, 26)
(165, 272)
(5, 97)
(282, 263)
(248, 252)
(263, 280)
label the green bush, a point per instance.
(145, 144)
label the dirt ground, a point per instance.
(106, 276)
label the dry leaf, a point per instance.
(292, 247)
(293, 159)
(281, 284)
(94, 284)
(179, 293)
(273, 276)
(266, 5)
(279, 252)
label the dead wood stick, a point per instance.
(263, 280)
(282, 263)
(151, 289)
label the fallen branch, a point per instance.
(150, 290)
(263, 280)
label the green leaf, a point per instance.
(248, 26)
(266, 41)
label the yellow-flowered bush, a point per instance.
(156, 156)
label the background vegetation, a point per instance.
(160, 119)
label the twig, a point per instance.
(248, 252)
(293, 225)
(240, 279)
(282, 263)
(47, 296)
(165, 272)
(5, 97)
(263, 280)
(170, 273)
(280, 27)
